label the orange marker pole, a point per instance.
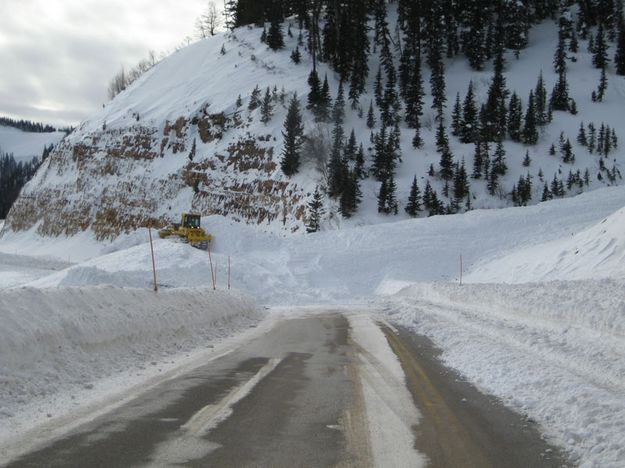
(153, 262)
(210, 260)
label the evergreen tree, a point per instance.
(413, 207)
(494, 117)
(314, 95)
(567, 152)
(603, 86)
(493, 183)
(370, 117)
(527, 160)
(600, 57)
(478, 161)
(469, 130)
(540, 101)
(266, 108)
(581, 135)
(275, 37)
(359, 168)
(546, 193)
(315, 212)
(515, 117)
(325, 102)
(619, 57)
(254, 99)
(437, 77)
(293, 134)
(499, 160)
(456, 117)
(530, 132)
(446, 158)
(351, 147)
(461, 183)
(414, 95)
(296, 56)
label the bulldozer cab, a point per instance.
(190, 221)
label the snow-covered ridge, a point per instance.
(130, 165)
(26, 145)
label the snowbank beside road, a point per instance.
(59, 342)
(555, 351)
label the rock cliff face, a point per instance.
(175, 141)
(116, 180)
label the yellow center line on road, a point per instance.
(441, 435)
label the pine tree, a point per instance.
(619, 57)
(469, 130)
(359, 168)
(314, 95)
(494, 117)
(478, 161)
(325, 102)
(493, 183)
(371, 117)
(446, 160)
(293, 134)
(461, 183)
(414, 95)
(378, 88)
(338, 111)
(581, 135)
(499, 160)
(530, 132)
(254, 99)
(315, 212)
(600, 57)
(456, 117)
(527, 160)
(540, 101)
(391, 199)
(546, 193)
(275, 37)
(296, 56)
(515, 117)
(351, 147)
(603, 86)
(413, 207)
(266, 108)
(567, 152)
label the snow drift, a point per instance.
(554, 351)
(63, 340)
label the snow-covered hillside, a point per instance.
(133, 163)
(26, 145)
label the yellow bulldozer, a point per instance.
(188, 231)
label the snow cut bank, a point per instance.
(554, 351)
(61, 341)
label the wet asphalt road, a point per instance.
(293, 397)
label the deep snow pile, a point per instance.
(595, 252)
(57, 343)
(554, 351)
(26, 145)
(341, 265)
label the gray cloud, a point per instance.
(59, 55)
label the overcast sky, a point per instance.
(58, 56)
